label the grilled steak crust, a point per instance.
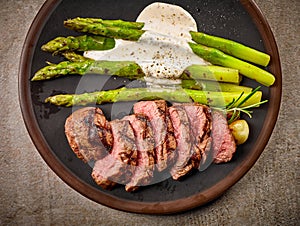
(82, 131)
(184, 138)
(224, 145)
(118, 166)
(200, 123)
(145, 143)
(103, 129)
(165, 142)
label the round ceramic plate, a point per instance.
(238, 20)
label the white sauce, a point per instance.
(162, 51)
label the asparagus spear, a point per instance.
(220, 99)
(232, 48)
(74, 57)
(211, 72)
(79, 43)
(82, 65)
(187, 81)
(119, 32)
(63, 68)
(193, 72)
(214, 86)
(112, 23)
(127, 69)
(217, 57)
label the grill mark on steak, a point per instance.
(118, 166)
(103, 129)
(224, 145)
(184, 138)
(124, 141)
(200, 122)
(165, 143)
(145, 143)
(83, 136)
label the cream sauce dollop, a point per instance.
(162, 51)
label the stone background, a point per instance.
(31, 194)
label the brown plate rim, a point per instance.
(168, 207)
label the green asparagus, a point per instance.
(193, 72)
(112, 23)
(126, 69)
(81, 65)
(63, 68)
(211, 72)
(79, 43)
(217, 57)
(232, 48)
(214, 86)
(118, 32)
(220, 99)
(74, 57)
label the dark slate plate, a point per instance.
(238, 20)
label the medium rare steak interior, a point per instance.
(224, 145)
(155, 140)
(118, 166)
(184, 138)
(143, 172)
(165, 143)
(201, 125)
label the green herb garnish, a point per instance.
(235, 108)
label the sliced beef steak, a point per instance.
(223, 141)
(184, 138)
(165, 143)
(200, 123)
(143, 132)
(118, 166)
(177, 139)
(103, 129)
(124, 145)
(108, 164)
(89, 133)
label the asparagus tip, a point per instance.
(48, 100)
(36, 78)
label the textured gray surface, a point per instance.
(32, 194)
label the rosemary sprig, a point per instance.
(235, 108)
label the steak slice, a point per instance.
(200, 123)
(145, 143)
(224, 145)
(102, 167)
(88, 133)
(165, 142)
(184, 138)
(118, 166)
